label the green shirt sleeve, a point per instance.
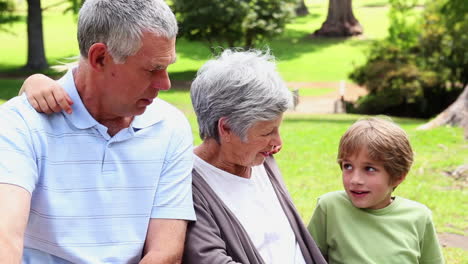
(431, 252)
(318, 228)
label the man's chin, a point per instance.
(139, 111)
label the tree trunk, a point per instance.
(36, 55)
(340, 21)
(455, 115)
(301, 9)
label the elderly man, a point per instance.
(109, 183)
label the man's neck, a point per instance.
(90, 99)
(115, 125)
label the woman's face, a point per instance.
(262, 138)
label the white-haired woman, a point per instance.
(244, 212)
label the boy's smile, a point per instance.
(366, 181)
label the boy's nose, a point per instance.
(356, 178)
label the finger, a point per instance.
(34, 103)
(69, 100)
(43, 106)
(63, 100)
(52, 103)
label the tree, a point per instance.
(455, 115)
(455, 19)
(301, 9)
(340, 21)
(36, 53)
(232, 22)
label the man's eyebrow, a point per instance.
(159, 65)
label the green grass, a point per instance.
(300, 58)
(9, 88)
(315, 91)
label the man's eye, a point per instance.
(156, 69)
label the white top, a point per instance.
(93, 195)
(255, 204)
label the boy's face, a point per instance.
(366, 181)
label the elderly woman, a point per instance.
(244, 212)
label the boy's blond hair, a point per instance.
(385, 141)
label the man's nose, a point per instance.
(161, 80)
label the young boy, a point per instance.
(365, 223)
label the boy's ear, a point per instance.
(397, 182)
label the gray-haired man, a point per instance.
(111, 182)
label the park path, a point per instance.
(322, 104)
(325, 104)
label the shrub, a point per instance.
(413, 72)
(232, 22)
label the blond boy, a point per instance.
(365, 223)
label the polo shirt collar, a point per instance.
(80, 117)
(151, 116)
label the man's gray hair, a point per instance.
(242, 86)
(120, 25)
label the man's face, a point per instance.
(133, 85)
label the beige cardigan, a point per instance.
(217, 237)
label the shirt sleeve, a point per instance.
(318, 228)
(17, 157)
(173, 198)
(431, 252)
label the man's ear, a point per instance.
(224, 131)
(97, 55)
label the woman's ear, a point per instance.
(97, 54)
(224, 131)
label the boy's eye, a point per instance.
(347, 166)
(370, 169)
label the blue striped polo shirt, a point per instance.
(93, 195)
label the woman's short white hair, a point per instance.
(120, 25)
(242, 86)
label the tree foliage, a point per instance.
(7, 8)
(423, 64)
(232, 22)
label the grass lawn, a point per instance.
(315, 91)
(300, 58)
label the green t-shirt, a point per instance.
(400, 233)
